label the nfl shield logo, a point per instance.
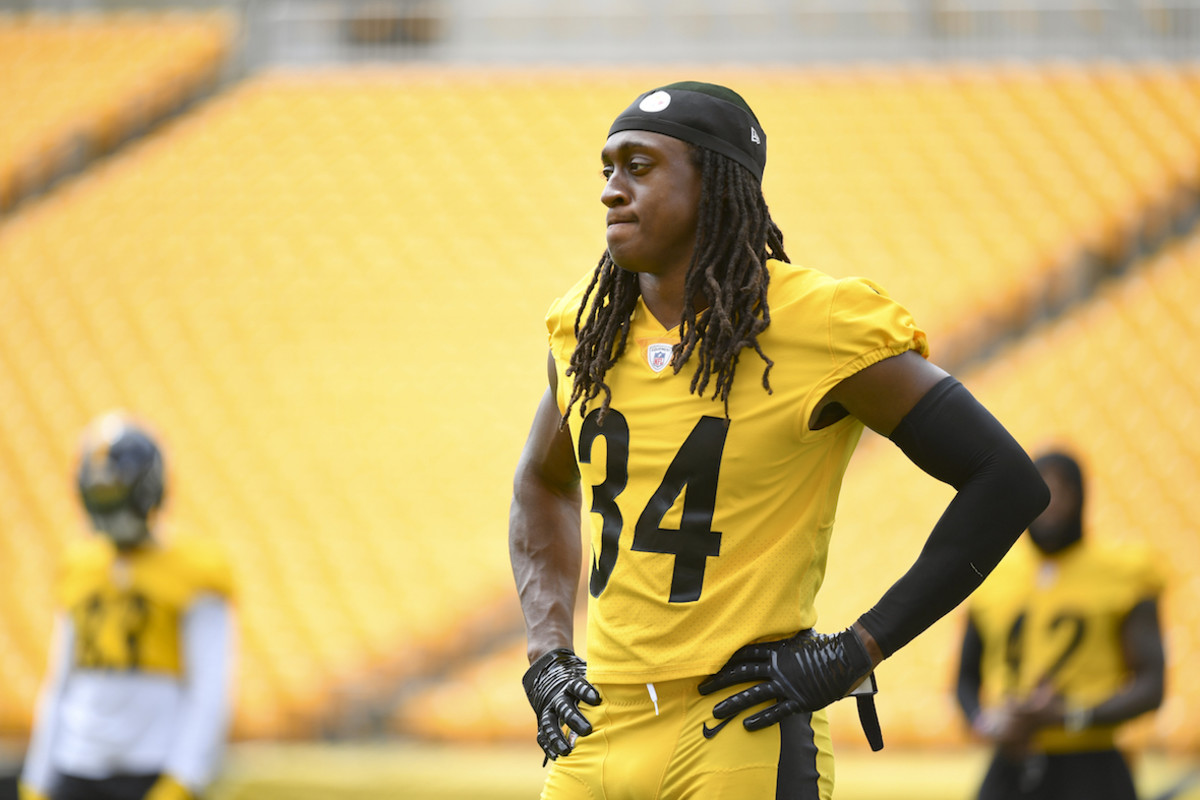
(658, 355)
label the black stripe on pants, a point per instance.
(798, 773)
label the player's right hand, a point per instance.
(556, 684)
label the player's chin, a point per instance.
(622, 245)
(626, 257)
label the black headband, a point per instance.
(703, 114)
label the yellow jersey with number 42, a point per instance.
(707, 534)
(1057, 621)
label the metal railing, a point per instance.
(301, 32)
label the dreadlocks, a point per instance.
(734, 238)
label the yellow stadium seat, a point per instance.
(77, 85)
(326, 290)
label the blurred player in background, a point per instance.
(1064, 644)
(712, 499)
(136, 700)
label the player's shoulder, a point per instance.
(789, 280)
(560, 318)
(804, 287)
(1129, 561)
(86, 551)
(83, 560)
(573, 296)
(854, 316)
(196, 547)
(202, 561)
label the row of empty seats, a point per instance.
(75, 86)
(326, 289)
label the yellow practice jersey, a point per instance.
(1058, 621)
(705, 535)
(126, 608)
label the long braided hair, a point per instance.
(735, 236)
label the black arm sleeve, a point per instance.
(956, 440)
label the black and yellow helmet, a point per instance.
(120, 468)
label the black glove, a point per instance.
(555, 684)
(804, 673)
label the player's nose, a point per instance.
(614, 192)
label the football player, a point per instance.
(712, 498)
(136, 700)
(1062, 645)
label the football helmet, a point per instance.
(120, 478)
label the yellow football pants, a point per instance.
(661, 741)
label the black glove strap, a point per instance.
(530, 679)
(864, 695)
(869, 720)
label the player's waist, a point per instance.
(671, 641)
(636, 694)
(1053, 741)
(625, 666)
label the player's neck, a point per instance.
(664, 297)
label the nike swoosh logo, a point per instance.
(713, 731)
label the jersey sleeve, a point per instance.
(560, 318)
(82, 560)
(560, 329)
(1149, 574)
(207, 565)
(863, 326)
(866, 326)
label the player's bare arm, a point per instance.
(544, 534)
(879, 396)
(546, 553)
(1142, 645)
(969, 685)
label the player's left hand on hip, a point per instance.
(167, 788)
(804, 673)
(556, 684)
